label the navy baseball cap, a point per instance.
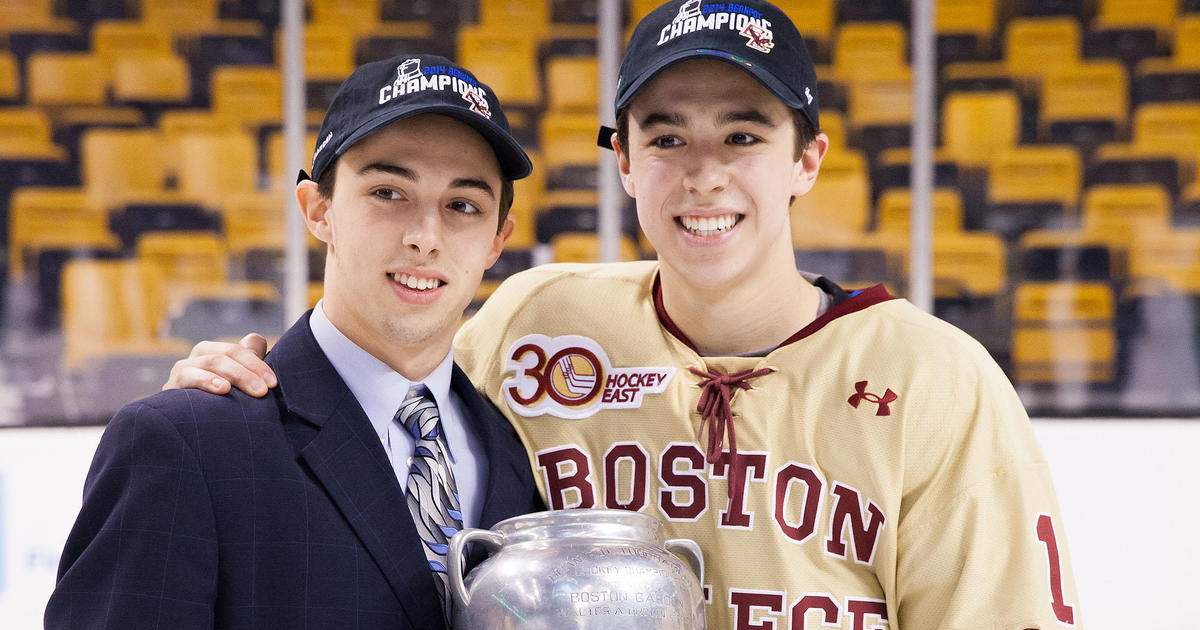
(753, 35)
(381, 92)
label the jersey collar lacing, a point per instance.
(717, 416)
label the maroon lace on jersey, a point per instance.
(717, 417)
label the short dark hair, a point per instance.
(805, 132)
(325, 188)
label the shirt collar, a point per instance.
(378, 388)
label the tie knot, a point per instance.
(418, 414)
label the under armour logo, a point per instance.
(861, 394)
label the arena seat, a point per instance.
(10, 78)
(1171, 257)
(54, 218)
(122, 165)
(895, 207)
(1033, 186)
(839, 202)
(975, 125)
(975, 20)
(1033, 46)
(252, 95)
(1064, 332)
(508, 60)
(584, 247)
(568, 148)
(864, 50)
(65, 78)
(1084, 105)
(152, 81)
(572, 84)
(212, 168)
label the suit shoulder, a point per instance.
(185, 406)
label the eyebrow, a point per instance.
(677, 120)
(411, 175)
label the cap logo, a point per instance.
(808, 95)
(694, 16)
(412, 78)
(479, 104)
(761, 39)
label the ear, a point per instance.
(315, 209)
(500, 239)
(804, 173)
(623, 166)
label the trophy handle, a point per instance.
(690, 552)
(454, 558)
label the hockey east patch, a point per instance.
(571, 377)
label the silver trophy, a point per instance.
(583, 569)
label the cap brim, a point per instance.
(514, 163)
(758, 72)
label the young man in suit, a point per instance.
(328, 503)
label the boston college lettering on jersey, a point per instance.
(694, 16)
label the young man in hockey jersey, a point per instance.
(843, 459)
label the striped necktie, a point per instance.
(432, 495)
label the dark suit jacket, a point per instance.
(205, 511)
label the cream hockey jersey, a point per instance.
(889, 474)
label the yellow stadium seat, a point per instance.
(569, 139)
(969, 17)
(895, 208)
(1171, 257)
(527, 198)
(25, 132)
(277, 179)
(1035, 45)
(529, 16)
(1186, 49)
(833, 124)
(252, 95)
(572, 84)
(813, 18)
(124, 39)
(121, 165)
(362, 17)
(111, 307)
(194, 17)
(505, 59)
(184, 262)
(1126, 211)
(975, 125)
(968, 264)
(840, 201)
(162, 79)
(1155, 14)
(1092, 91)
(584, 247)
(33, 16)
(66, 78)
(1036, 174)
(639, 9)
(1169, 128)
(328, 50)
(214, 167)
(54, 218)
(882, 100)
(1064, 332)
(254, 221)
(10, 77)
(864, 50)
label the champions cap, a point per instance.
(381, 92)
(753, 35)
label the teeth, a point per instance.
(708, 226)
(419, 284)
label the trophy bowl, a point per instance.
(583, 569)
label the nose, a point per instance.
(423, 232)
(706, 173)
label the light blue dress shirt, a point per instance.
(380, 390)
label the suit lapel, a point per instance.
(507, 462)
(348, 460)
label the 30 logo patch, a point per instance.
(571, 377)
